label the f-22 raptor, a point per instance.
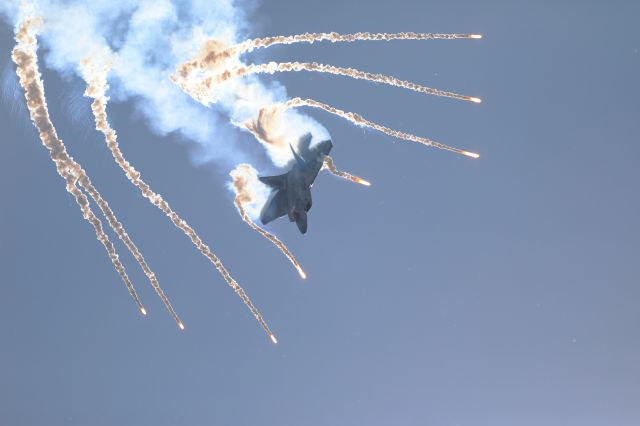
(291, 191)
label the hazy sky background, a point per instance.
(501, 291)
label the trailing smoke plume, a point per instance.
(257, 43)
(97, 85)
(215, 55)
(26, 60)
(273, 67)
(206, 90)
(250, 196)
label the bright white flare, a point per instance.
(303, 275)
(273, 339)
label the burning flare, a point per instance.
(25, 57)
(328, 165)
(245, 179)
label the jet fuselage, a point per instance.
(291, 193)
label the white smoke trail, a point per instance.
(96, 89)
(328, 165)
(245, 184)
(25, 57)
(258, 43)
(216, 54)
(361, 121)
(205, 89)
(273, 67)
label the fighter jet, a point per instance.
(291, 191)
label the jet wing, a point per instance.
(275, 206)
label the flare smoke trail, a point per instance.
(215, 55)
(214, 51)
(269, 119)
(97, 85)
(328, 165)
(361, 121)
(25, 57)
(96, 88)
(258, 43)
(204, 91)
(244, 178)
(273, 67)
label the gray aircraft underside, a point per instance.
(291, 191)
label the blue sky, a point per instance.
(497, 291)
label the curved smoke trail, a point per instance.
(96, 89)
(215, 52)
(259, 43)
(25, 57)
